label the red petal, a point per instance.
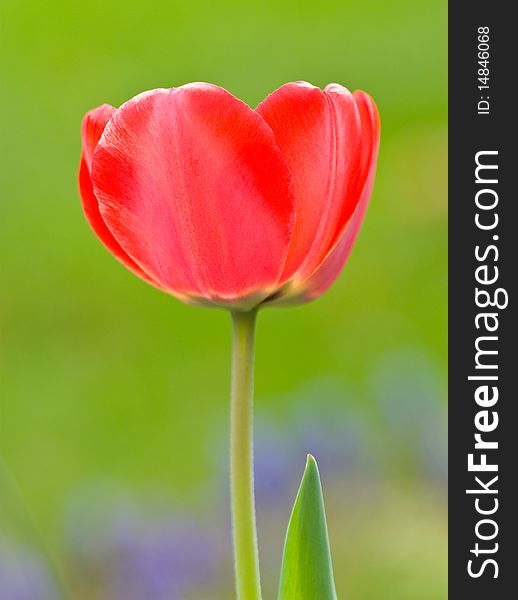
(332, 265)
(93, 126)
(330, 268)
(322, 138)
(194, 187)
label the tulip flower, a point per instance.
(222, 205)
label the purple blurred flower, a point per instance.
(328, 425)
(133, 557)
(163, 561)
(23, 576)
(325, 424)
(274, 464)
(408, 389)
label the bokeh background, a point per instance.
(113, 410)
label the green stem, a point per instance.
(246, 558)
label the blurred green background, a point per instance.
(113, 395)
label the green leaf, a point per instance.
(307, 571)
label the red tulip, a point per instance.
(217, 203)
